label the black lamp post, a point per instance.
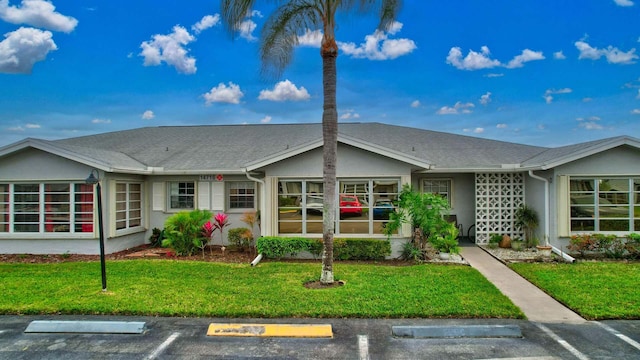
(95, 180)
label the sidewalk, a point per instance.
(534, 303)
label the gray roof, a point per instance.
(229, 148)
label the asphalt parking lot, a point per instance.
(186, 338)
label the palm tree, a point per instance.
(278, 40)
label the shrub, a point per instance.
(610, 246)
(183, 231)
(361, 249)
(582, 243)
(411, 252)
(275, 247)
(240, 237)
(633, 246)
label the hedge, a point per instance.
(275, 247)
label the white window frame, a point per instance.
(631, 192)
(232, 185)
(449, 196)
(170, 195)
(73, 217)
(128, 208)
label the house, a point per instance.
(147, 174)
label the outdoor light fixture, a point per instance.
(95, 180)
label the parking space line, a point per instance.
(562, 342)
(621, 336)
(163, 346)
(363, 347)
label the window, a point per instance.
(128, 205)
(362, 206)
(46, 208)
(181, 195)
(604, 204)
(440, 187)
(241, 195)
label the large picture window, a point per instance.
(604, 204)
(128, 205)
(362, 206)
(46, 208)
(182, 195)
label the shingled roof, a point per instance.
(230, 148)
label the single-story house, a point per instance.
(147, 174)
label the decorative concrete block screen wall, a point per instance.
(498, 195)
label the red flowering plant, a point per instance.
(221, 221)
(206, 233)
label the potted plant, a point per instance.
(517, 244)
(447, 242)
(527, 220)
(494, 240)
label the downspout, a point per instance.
(263, 197)
(546, 218)
(546, 205)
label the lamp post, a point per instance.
(95, 180)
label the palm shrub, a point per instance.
(424, 211)
(526, 218)
(240, 237)
(183, 231)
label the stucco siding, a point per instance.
(36, 165)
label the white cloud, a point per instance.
(501, 126)
(493, 75)
(482, 60)
(587, 99)
(148, 115)
(558, 55)
(22, 48)
(37, 13)
(266, 119)
(635, 111)
(15, 128)
(350, 114)
(590, 125)
(378, 46)
(612, 54)
(285, 91)
(473, 60)
(540, 127)
(415, 104)
(223, 94)
(170, 49)
(547, 94)
(32, 126)
(206, 22)
(594, 118)
(623, 2)
(458, 108)
(101, 121)
(477, 130)
(486, 98)
(310, 38)
(246, 29)
(526, 56)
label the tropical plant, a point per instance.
(221, 220)
(251, 218)
(526, 218)
(278, 40)
(240, 237)
(156, 237)
(207, 233)
(183, 231)
(447, 241)
(424, 211)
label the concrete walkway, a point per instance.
(534, 303)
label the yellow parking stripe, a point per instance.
(272, 330)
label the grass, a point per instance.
(595, 290)
(272, 289)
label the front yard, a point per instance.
(272, 289)
(595, 290)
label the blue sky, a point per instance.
(540, 72)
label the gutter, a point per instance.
(546, 205)
(263, 195)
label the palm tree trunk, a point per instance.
(329, 54)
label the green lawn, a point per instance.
(595, 290)
(272, 289)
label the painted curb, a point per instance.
(271, 330)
